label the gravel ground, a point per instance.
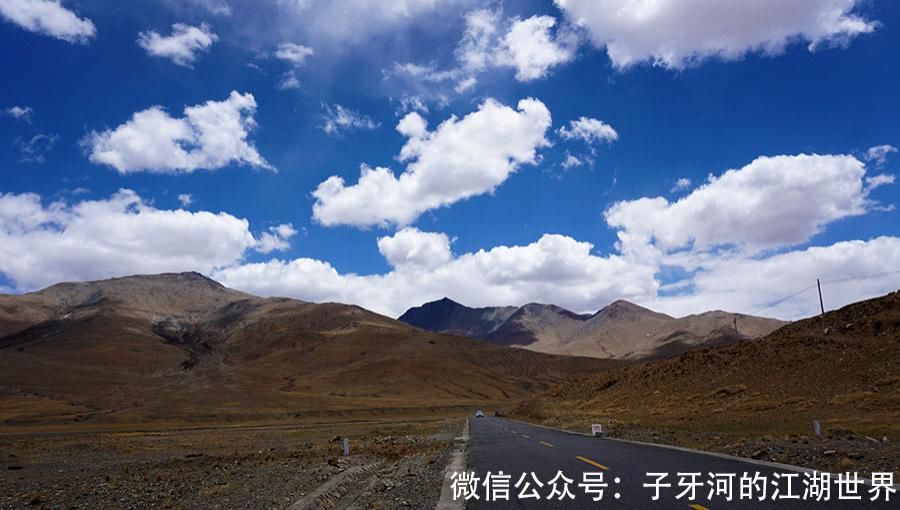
(219, 469)
(838, 450)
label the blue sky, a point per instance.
(105, 174)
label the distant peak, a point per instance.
(444, 301)
(622, 307)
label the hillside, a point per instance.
(621, 330)
(183, 347)
(848, 378)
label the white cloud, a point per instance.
(488, 42)
(351, 22)
(878, 180)
(185, 199)
(294, 54)
(22, 113)
(681, 185)
(217, 7)
(475, 50)
(677, 33)
(411, 248)
(288, 81)
(34, 149)
(48, 17)
(571, 162)
(755, 207)
(182, 46)
(589, 131)
(461, 158)
(771, 202)
(554, 269)
(337, 120)
(209, 136)
(533, 50)
(45, 244)
(754, 285)
(879, 154)
(42, 244)
(277, 238)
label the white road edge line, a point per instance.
(457, 464)
(788, 467)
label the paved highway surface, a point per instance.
(497, 444)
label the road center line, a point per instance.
(695, 506)
(548, 445)
(526, 436)
(595, 464)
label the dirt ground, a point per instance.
(394, 465)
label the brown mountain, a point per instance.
(183, 347)
(848, 378)
(621, 330)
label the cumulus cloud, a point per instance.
(411, 248)
(185, 199)
(209, 136)
(588, 130)
(48, 17)
(531, 48)
(42, 244)
(181, 46)
(554, 269)
(676, 34)
(277, 238)
(879, 154)
(124, 234)
(337, 120)
(461, 158)
(294, 54)
(850, 271)
(771, 202)
(755, 207)
(22, 113)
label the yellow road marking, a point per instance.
(548, 445)
(695, 506)
(595, 464)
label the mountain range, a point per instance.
(621, 330)
(182, 347)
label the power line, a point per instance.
(862, 277)
(836, 280)
(782, 300)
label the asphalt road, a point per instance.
(497, 444)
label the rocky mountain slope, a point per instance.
(849, 379)
(181, 346)
(621, 330)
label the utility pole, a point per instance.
(821, 306)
